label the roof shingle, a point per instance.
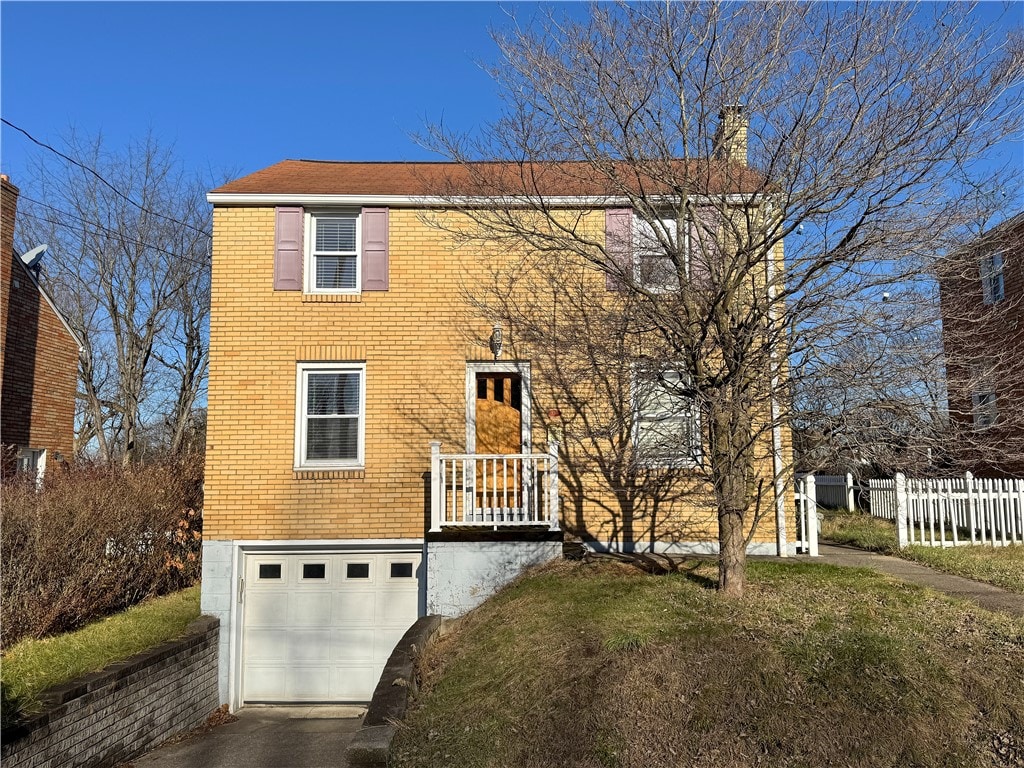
(316, 177)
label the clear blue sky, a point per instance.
(238, 86)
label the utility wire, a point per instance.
(107, 230)
(95, 173)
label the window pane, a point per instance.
(331, 394)
(314, 570)
(653, 244)
(401, 570)
(357, 570)
(332, 438)
(270, 570)
(335, 272)
(336, 233)
(667, 425)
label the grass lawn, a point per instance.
(1001, 566)
(597, 664)
(32, 666)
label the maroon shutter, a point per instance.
(704, 247)
(618, 233)
(288, 226)
(375, 249)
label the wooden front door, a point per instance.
(499, 413)
(499, 420)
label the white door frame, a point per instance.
(522, 367)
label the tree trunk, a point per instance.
(731, 471)
(732, 558)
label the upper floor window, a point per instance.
(666, 421)
(331, 415)
(992, 287)
(654, 242)
(333, 258)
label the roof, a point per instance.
(561, 179)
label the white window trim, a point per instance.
(687, 461)
(637, 247)
(308, 260)
(301, 379)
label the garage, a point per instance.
(319, 627)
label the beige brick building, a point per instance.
(371, 454)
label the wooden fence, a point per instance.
(950, 512)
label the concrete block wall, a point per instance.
(116, 714)
(462, 574)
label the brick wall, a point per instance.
(128, 708)
(416, 339)
(39, 357)
(986, 337)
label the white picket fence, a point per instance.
(807, 514)
(950, 512)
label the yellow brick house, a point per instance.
(378, 448)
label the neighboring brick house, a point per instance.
(982, 297)
(367, 461)
(38, 362)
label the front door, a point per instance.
(499, 434)
(499, 413)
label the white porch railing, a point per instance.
(492, 490)
(950, 512)
(806, 515)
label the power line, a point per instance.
(85, 223)
(95, 173)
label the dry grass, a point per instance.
(596, 664)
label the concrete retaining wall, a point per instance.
(462, 574)
(114, 715)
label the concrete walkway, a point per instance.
(265, 737)
(985, 595)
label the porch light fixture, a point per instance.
(495, 341)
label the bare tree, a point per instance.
(859, 128)
(129, 261)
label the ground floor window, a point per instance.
(331, 415)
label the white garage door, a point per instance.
(320, 627)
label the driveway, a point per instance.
(266, 737)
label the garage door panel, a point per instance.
(264, 645)
(267, 609)
(352, 683)
(309, 610)
(395, 606)
(324, 636)
(309, 683)
(264, 683)
(355, 606)
(352, 645)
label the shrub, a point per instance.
(94, 541)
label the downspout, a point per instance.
(781, 544)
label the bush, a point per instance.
(95, 541)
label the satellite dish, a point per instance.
(31, 259)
